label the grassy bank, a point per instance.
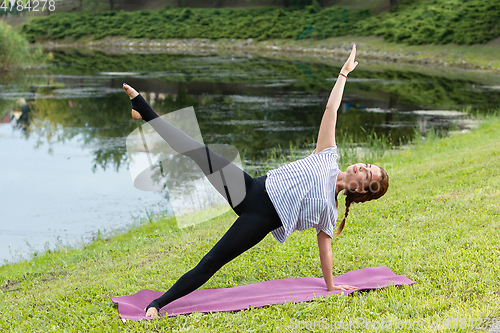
(478, 56)
(438, 225)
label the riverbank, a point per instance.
(438, 224)
(477, 56)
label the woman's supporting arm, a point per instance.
(326, 136)
(325, 256)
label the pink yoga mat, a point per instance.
(260, 294)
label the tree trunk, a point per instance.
(111, 4)
(394, 2)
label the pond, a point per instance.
(63, 128)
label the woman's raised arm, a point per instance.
(326, 136)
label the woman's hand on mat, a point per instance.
(341, 287)
(132, 93)
(152, 312)
(350, 64)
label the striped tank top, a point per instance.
(303, 193)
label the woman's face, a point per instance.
(362, 175)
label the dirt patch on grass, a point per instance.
(16, 285)
(10, 286)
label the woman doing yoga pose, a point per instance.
(296, 196)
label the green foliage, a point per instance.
(14, 50)
(412, 22)
(436, 21)
(194, 23)
(315, 7)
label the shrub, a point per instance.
(14, 50)
(413, 22)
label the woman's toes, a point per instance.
(136, 115)
(130, 91)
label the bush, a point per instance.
(413, 22)
(14, 50)
(438, 21)
(202, 23)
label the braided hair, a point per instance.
(354, 196)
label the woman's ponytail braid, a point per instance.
(341, 225)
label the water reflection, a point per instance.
(51, 196)
(71, 119)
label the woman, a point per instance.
(296, 196)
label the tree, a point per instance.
(394, 2)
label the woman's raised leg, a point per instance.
(231, 184)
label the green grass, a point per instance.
(438, 224)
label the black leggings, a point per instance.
(257, 215)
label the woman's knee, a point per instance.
(208, 266)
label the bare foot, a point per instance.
(132, 93)
(152, 312)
